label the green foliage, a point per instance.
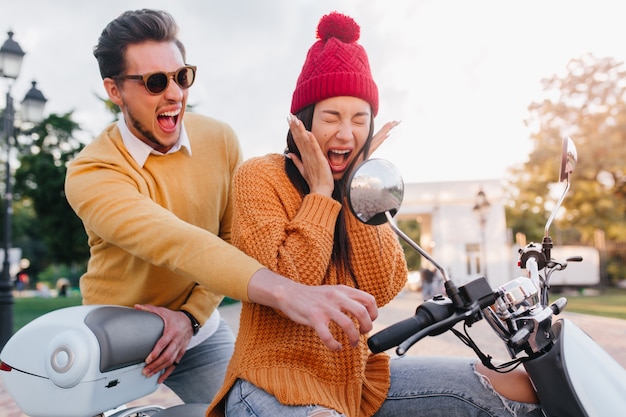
(589, 105)
(44, 225)
(53, 272)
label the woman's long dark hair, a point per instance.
(341, 244)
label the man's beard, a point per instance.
(147, 134)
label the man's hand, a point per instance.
(316, 306)
(170, 348)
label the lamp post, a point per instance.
(481, 206)
(11, 55)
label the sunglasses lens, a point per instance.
(185, 77)
(156, 83)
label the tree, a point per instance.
(589, 105)
(44, 153)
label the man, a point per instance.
(153, 191)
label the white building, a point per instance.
(451, 229)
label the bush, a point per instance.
(52, 273)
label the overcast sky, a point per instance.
(458, 74)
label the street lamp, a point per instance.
(33, 105)
(481, 207)
(11, 55)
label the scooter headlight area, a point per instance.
(79, 361)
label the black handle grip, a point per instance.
(432, 311)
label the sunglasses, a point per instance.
(157, 82)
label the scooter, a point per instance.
(72, 362)
(86, 361)
(572, 375)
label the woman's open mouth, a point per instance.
(338, 159)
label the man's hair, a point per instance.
(131, 27)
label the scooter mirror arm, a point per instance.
(415, 246)
(451, 289)
(547, 244)
(556, 209)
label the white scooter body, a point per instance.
(576, 375)
(80, 361)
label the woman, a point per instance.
(290, 214)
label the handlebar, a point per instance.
(430, 312)
(436, 316)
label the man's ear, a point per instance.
(113, 91)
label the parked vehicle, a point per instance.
(580, 275)
(572, 374)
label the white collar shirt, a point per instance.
(140, 150)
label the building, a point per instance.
(465, 240)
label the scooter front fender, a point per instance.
(577, 378)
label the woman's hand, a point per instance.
(382, 135)
(312, 163)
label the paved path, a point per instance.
(609, 333)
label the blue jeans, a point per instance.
(420, 386)
(200, 373)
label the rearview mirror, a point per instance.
(569, 157)
(374, 188)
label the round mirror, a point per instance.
(375, 187)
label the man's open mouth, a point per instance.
(168, 120)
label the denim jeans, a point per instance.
(420, 386)
(200, 373)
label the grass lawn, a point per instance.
(27, 309)
(609, 303)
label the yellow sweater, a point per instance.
(294, 237)
(157, 230)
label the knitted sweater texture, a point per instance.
(158, 230)
(294, 237)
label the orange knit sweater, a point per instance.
(294, 237)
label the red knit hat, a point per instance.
(335, 66)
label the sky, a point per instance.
(458, 74)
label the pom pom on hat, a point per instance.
(338, 26)
(335, 66)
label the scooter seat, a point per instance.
(141, 330)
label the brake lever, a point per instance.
(439, 327)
